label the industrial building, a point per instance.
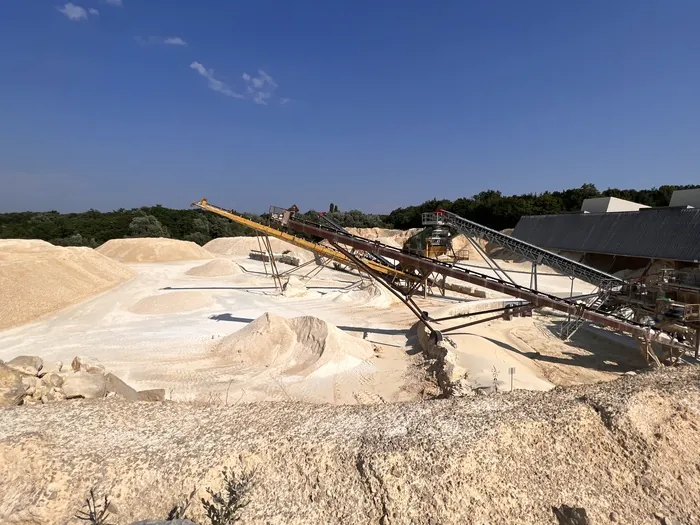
(614, 234)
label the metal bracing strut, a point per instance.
(410, 303)
(426, 265)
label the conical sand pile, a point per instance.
(296, 346)
(153, 249)
(215, 268)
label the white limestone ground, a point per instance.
(161, 330)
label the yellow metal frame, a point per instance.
(318, 249)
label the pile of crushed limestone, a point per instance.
(152, 249)
(299, 346)
(38, 278)
(620, 452)
(215, 268)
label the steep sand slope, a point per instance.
(37, 278)
(622, 450)
(153, 250)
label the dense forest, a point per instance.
(490, 208)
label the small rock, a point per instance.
(485, 390)
(630, 373)
(120, 388)
(84, 384)
(571, 515)
(30, 381)
(613, 517)
(53, 380)
(12, 390)
(27, 364)
(87, 364)
(664, 520)
(461, 388)
(157, 394)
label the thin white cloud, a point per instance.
(116, 3)
(94, 11)
(214, 83)
(260, 87)
(159, 40)
(174, 41)
(73, 12)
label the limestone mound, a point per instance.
(18, 249)
(153, 249)
(37, 278)
(395, 238)
(298, 346)
(215, 268)
(465, 250)
(242, 246)
(368, 294)
(610, 448)
(171, 303)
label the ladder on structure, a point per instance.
(569, 328)
(528, 251)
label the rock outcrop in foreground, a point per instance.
(625, 451)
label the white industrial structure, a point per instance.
(609, 204)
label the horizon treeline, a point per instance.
(490, 208)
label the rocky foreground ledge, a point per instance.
(624, 452)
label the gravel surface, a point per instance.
(623, 450)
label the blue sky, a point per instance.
(371, 104)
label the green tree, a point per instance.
(147, 226)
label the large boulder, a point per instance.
(87, 364)
(120, 388)
(27, 364)
(84, 384)
(12, 390)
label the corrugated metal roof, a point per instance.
(655, 233)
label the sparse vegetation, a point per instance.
(97, 512)
(495, 372)
(224, 506)
(179, 511)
